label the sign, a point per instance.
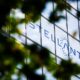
(63, 49)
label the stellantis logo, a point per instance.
(61, 43)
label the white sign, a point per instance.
(63, 49)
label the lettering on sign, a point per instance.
(61, 43)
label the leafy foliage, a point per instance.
(20, 59)
(66, 69)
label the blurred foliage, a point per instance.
(66, 69)
(19, 59)
(32, 9)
